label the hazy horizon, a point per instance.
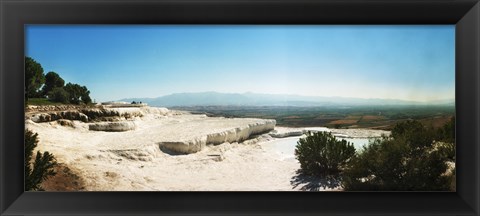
(406, 62)
(249, 92)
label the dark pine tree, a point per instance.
(42, 167)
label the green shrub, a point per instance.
(58, 95)
(320, 153)
(447, 150)
(447, 132)
(415, 135)
(407, 160)
(42, 167)
(446, 137)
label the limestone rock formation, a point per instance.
(41, 114)
(112, 126)
(53, 116)
(287, 134)
(231, 135)
(65, 123)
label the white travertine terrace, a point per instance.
(222, 153)
(218, 131)
(160, 128)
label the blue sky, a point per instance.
(124, 61)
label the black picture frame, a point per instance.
(14, 14)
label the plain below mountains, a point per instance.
(254, 99)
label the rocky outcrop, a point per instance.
(49, 108)
(41, 114)
(231, 135)
(96, 113)
(112, 126)
(53, 116)
(287, 134)
(112, 114)
(65, 123)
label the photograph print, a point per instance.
(240, 108)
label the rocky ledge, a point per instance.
(151, 130)
(229, 135)
(39, 114)
(49, 108)
(112, 126)
(53, 116)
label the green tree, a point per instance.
(73, 91)
(85, 95)
(407, 160)
(34, 78)
(320, 153)
(446, 137)
(42, 167)
(415, 134)
(52, 80)
(447, 132)
(58, 94)
(78, 93)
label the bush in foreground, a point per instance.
(42, 167)
(320, 153)
(407, 160)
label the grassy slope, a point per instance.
(41, 101)
(45, 101)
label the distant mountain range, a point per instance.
(254, 99)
